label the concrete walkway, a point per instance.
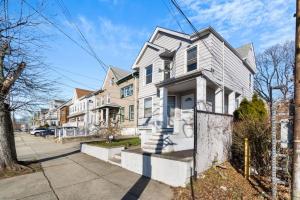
(69, 174)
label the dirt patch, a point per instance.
(219, 183)
(29, 168)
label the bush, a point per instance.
(251, 121)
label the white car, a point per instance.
(38, 131)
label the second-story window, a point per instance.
(167, 69)
(127, 91)
(191, 59)
(148, 73)
(250, 80)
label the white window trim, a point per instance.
(185, 58)
(174, 109)
(145, 73)
(129, 113)
(144, 107)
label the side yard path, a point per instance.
(69, 174)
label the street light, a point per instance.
(274, 153)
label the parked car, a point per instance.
(39, 131)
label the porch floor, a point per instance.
(185, 155)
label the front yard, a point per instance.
(126, 142)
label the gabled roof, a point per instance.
(147, 44)
(244, 50)
(171, 32)
(82, 92)
(119, 73)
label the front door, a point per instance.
(187, 114)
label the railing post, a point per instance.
(246, 159)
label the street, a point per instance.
(69, 174)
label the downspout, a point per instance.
(223, 91)
(136, 103)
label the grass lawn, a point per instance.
(126, 142)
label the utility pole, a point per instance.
(296, 158)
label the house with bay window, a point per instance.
(180, 73)
(116, 103)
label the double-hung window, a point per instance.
(127, 91)
(122, 114)
(148, 71)
(148, 107)
(131, 112)
(192, 59)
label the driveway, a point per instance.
(69, 174)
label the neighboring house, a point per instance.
(179, 72)
(283, 120)
(115, 104)
(77, 109)
(63, 113)
(39, 118)
(51, 116)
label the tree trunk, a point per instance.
(8, 155)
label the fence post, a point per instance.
(246, 158)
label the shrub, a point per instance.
(251, 121)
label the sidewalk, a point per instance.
(69, 174)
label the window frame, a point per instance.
(186, 57)
(150, 99)
(131, 112)
(123, 89)
(122, 114)
(151, 75)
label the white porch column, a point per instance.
(231, 103)
(163, 106)
(219, 100)
(201, 93)
(107, 116)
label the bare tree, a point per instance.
(275, 67)
(22, 75)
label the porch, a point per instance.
(108, 115)
(178, 100)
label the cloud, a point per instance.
(262, 21)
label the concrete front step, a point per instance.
(115, 161)
(117, 156)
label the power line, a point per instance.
(174, 2)
(173, 14)
(64, 33)
(77, 74)
(68, 16)
(77, 82)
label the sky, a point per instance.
(117, 30)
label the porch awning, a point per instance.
(76, 114)
(167, 55)
(109, 105)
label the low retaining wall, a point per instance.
(172, 172)
(214, 139)
(101, 153)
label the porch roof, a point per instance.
(184, 77)
(109, 105)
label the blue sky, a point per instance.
(117, 30)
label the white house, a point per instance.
(79, 114)
(179, 72)
(51, 116)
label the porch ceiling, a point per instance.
(182, 86)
